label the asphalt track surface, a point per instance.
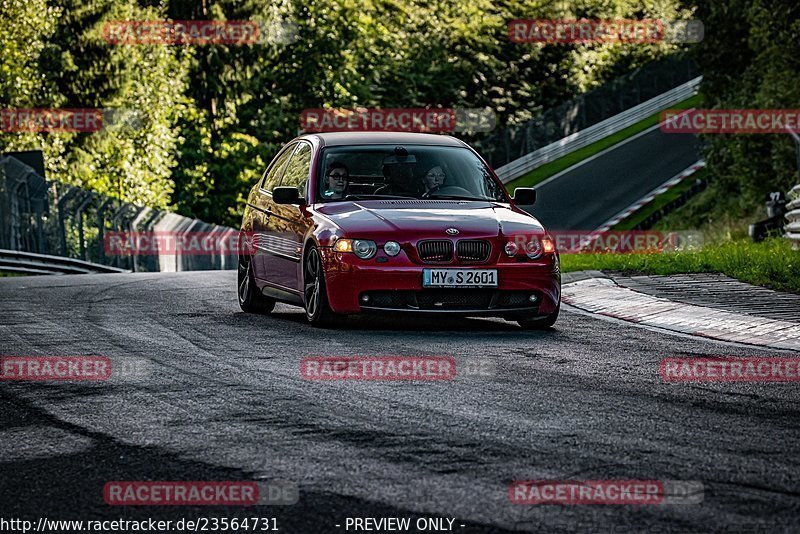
(224, 400)
(592, 193)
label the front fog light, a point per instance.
(364, 248)
(343, 245)
(391, 248)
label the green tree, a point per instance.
(750, 59)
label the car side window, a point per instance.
(273, 175)
(298, 169)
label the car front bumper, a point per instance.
(356, 286)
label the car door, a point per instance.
(261, 206)
(288, 222)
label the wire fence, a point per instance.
(47, 217)
(508, 144)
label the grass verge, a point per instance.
(772, 263)
(547, 170)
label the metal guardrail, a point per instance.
(793, 216)
(660, 190)
(14, 261)
(63, 221)
(610, 126)
(514, 141)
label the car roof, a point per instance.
(384, 138)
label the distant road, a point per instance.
(588, 195)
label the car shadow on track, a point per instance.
(412, 323)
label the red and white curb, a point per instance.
(604, 297)
(663, 188)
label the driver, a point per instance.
(336, 178)
(433, 179)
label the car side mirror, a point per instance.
(287, 195)
(525, 196)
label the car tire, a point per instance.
(315, 293)
(540, 323)
(250, 300)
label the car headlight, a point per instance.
(511, 248)
(364, 248)
(533, 248)
(391, 248)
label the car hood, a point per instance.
(423, 218)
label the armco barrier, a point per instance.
(594, 133)
(793, 216)
(14, 261)
(54, 220)
(504, 145)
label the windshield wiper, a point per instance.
(455, 197)
(370, 197)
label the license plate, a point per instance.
(459, 278)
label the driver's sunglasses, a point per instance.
(338, 176)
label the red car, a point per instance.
(349, 223)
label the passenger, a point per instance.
(433, 179)
(336, 178)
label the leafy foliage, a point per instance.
(750, 59)
(213, 116)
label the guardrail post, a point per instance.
(117, 225)
(90, 196)
(101, 223)
(61, 228)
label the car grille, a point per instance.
(447, 299)
(435, 251)
(473, 250)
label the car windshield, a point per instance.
(409, 171)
